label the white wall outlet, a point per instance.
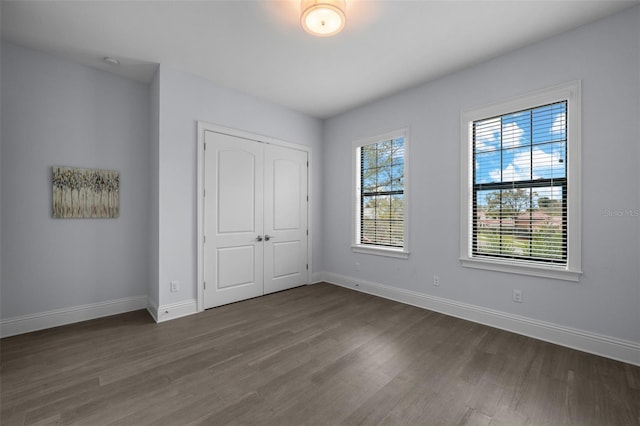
(175, 286)
(517, 296)
(357, 266)
(436, 281)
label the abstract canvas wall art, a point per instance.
(85, 193)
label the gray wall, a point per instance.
(1, 260)
(55, 112)
(185, 99)
(605, 56)
(153, 293)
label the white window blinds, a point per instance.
(519, 185)
(382, 202)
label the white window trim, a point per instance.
(402, 253)
(571, 92)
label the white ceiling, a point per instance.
(259, 48)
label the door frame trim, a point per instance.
(203, 127)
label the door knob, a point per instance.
(267, 237)
(259, 238)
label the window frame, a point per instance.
(571, 271)
(356, 246)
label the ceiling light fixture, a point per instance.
(111, 61)
(323, 18)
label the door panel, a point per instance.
(286, 258)
(235, 266)
(233, 212)
(236, 191)
(285, 218)
(286, 194)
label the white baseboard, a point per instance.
(610, 347)
(317, 277)
(33, 322)
(172, 310)
(152, 308)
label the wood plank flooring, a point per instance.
(314, 355)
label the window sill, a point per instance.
(381, 251)
(559, 273)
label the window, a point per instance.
(521, 168)
(381, 195)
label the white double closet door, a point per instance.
(255, 218)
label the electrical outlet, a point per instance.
(517, 296)
(436, 281)
(357, 266)
(175, 286)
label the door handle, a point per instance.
(259, 238)
(267, 237)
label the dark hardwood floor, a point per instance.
(315, 355)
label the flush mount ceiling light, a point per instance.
(322, 18)
(111, 61)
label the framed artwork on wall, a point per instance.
(85, 193)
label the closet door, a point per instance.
(255, 219)
(233, 224)
(285, 218)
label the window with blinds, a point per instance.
(380, 195)
(520, 187)
(519, 195)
